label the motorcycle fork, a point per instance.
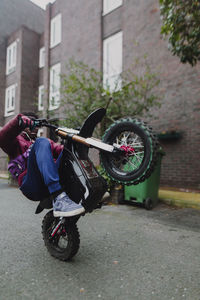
(57, 227)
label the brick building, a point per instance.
(22, 24)
(108, 35)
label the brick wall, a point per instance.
(81, 36)
(14, 14)
(15, 77)
(81, 32)
(30, 70)
(179, 90)
(3, 161)
(2, 80)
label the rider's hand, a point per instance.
(26, 122)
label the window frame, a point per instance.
(108, 7)
(56, 25)
(54, 93)
(40, 99)
(106, 65)
(42, 57)
(9, 104)
(11, 58)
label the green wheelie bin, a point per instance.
(146, 192)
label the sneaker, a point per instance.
(63, 206)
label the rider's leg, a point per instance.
(42, 177)
(46, 164)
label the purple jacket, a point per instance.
(16, 144)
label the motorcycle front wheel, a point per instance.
(64, 244)
(137, 155)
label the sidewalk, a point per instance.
(168, 196)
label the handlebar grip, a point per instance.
(37, 123)
(40, 122)
(45, 123)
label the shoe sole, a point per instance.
(68, 213)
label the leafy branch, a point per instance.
(82, 92)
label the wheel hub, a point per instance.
(128, 150)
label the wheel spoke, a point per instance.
(131, 140)
(136, 145)
(130, 162)
(139, 158)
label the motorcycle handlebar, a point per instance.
(44, 123)
(59, 131)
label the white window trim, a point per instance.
(42, 57)
(40, 132)
(108, 7)
(11, 59)
(40, 95)
(115, 75)
(10, 109)
(56, 30)
(54, 90)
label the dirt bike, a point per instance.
(128, 154)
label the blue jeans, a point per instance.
(42, 176)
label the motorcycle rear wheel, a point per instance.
(65, 244)
(140, 151)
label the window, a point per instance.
(10, 100)
(55, 31)
(41, 97)
(40, 132)
(54, 99)
(42, 57)
(109, 5)
(11, 58)
(112, 62)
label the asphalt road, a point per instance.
(125, 253)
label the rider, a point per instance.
(34, 163)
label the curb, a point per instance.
(180, 199)
(4, 176)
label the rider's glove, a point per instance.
(26, 122)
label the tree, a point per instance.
(82, 91)
(181, 22)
